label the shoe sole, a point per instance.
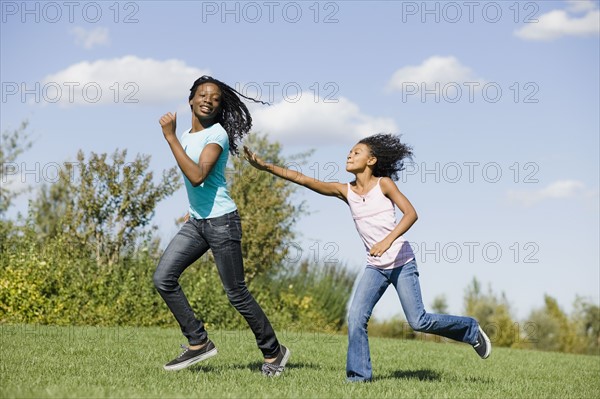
(190, 362)
(488, 345)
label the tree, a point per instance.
(13, 144)
(553, 330)
(568, 338)
(103, 203)
(48, 209)
(542, 331)
(492, 313)
(264, 203)
(440, 305)
(587, 321)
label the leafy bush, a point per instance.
(309, 296)
(58, 282)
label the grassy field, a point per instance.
(126, 362)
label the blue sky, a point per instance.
(499, 100)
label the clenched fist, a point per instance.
(168, 122)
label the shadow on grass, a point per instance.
(429, 375)
(421, 375)
(254, 366)
(289, 366)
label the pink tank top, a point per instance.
(374, 215)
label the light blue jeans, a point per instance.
(405, 280)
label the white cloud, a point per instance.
(128, 79)
(433, 70)
(581, 5)
(561, 189)
(91, 38)
(309, 122)
(559, 23)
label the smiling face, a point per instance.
(206, 103)
(359, 158)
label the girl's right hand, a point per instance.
(254, 160)
(168, 122)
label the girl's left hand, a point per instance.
(168, 122)
(379, 248)
(254, 159)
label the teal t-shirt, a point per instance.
(211, 198)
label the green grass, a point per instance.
(49, 361)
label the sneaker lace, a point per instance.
(269, 368)
(184, 352)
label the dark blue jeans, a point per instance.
(223, 235)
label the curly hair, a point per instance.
(234, 117)
(390, 154)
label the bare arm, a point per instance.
(195, 172)
(409, 216)
(331, 189)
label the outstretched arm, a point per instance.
(331, 189)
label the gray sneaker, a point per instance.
(191, 356)
(277, 367)
(483, 346)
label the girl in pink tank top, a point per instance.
(372, 196)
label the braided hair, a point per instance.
(234, 116)
(390, 154)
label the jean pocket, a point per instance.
(236, 229)
(221, 222)
(411, 267)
